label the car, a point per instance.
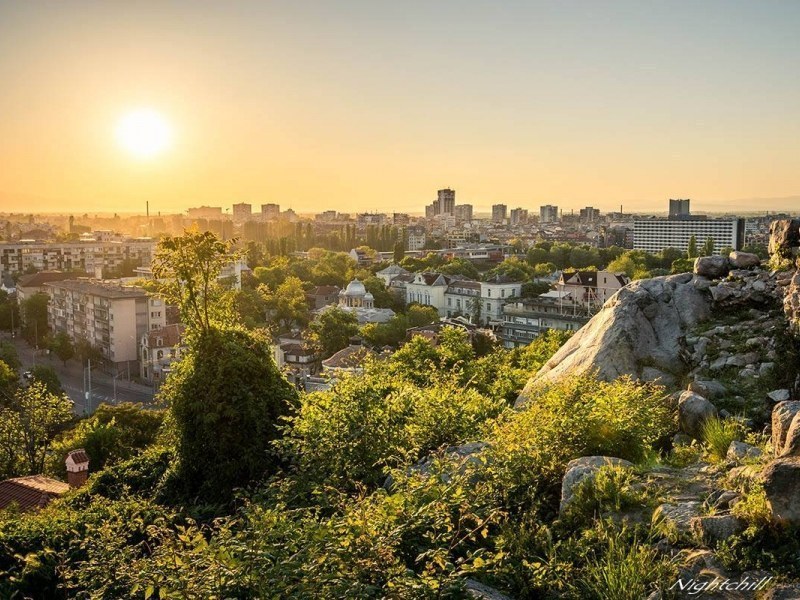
(27, 376)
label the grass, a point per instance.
(718, 435)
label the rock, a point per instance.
(781, 480)
(709, 389)
(676, 517)
(782, 416)
(681, 439)
(693, 412)
(783, 591)
(744, 475)
(721, 499)
(791, 447)
(766, 368)
(779, 395)
(739, 451)
(784, 234)
(743, 260)
(481, 591)
(658, 376)
(715, 529)
(712, 267)
(642, 325)
(582, 468)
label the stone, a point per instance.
(784, 234)
(766, 368)
(681, 439)
(791, 446)
(708, 388)
(782, 416)
(783, 591)
(716, 528)
(721, 499)
(779, 395)
(743, 260)
(713, 267)
(744, 475)
(651, 374)
(481, 591)
(693, 412)
(740, 451)
(583, 468)
(642, 325)
(677, 517)
(781, 481)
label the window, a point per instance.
(489, 292)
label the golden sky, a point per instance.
(376, 105)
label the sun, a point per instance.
(144, 133)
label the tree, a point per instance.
(8, 383)
(692, 250)
(62, 346)
(28, 426)
(9, 311)
(84, 351)
(226, 398)
(187, 269)
(399, 251)
(708, 246)
(34, 312)
(332, 329)
(287, 305)
(48, 377)
(8, 354)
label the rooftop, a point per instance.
(30, 492)
(99, 287)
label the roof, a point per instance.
(393, 269)
(498, 278)
(78, 456)
(39, 279)
(354, 288)
(33, 491)
(324, 290)
(170, 336)
(99, 287)
(351, 357)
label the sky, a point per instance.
(374, 105)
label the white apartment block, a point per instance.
(111, 317)
(653, 235)
(96, 258)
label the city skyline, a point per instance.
(362, 106)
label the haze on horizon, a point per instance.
(358, 105)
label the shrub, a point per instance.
(610, 490)
(718, 435)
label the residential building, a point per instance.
(519, 216)
(242, 212)
(548, 214)
(205, 212)
(33, 492)
(158, 349)
(110, 316)
(463, 213)
(447, 201)
(322, 296)
(653, 235)
(463, 298)
(525, 320)
(590, 215)
(390, 272)
(361, 257)
(495, 292)
(352, 359)
(28, 285)
(270, 212)
(415, 238)
(499, 213)
(591, 289)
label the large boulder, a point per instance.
(693, 412)
(640, 326)
(781, 480)
(782, 416)
(714, 529)
(784, 235)
(743, 260)
(712, 267)
(791, 446)
(675, 519)
(583, 468)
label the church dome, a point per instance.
(368, 296)
(355, 288)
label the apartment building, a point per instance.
(111, 317)
(525, 320)
(653, 235)
(158, 350)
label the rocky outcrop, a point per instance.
(781, 480)
(640, 326)
(784, 237)
(783, 415)
(693, 412)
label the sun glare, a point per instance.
(144, 133)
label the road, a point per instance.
(73, 380)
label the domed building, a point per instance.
(356, 299)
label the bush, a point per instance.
(719, 433)
(610, 490)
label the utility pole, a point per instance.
(89, 389)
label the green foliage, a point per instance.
(579, 416)
(753, 507)
(8, 383)
(332, 329)
(8, 355)
(611, 489)
(110, 434)
(225, 398)
(719, 433)
(367, 425)
(287, 305)
(692, 253)
(34, 316)
(28, 426)
(48, 377)
(61, 345)
(708, 246)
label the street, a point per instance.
(73, 380)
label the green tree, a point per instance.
(287, 305)
(708, 246)
(9, 355)
(332, 329)
(226, 397)
(34, 313)
(187, 269)
(8, 383)
(692, 251)
(61, 345)
(399, 251)
(47, 376)
(28, 426)
(9, 311)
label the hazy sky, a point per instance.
(377, 104)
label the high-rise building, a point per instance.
(415, 238)
(464, 213)
(519, 216)
(590, 214)
(270, 212)
(548, 214)
(447, 201)
(653, 235)
(205, 212)
(499, 213)
(242, 212)
(678, 208)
